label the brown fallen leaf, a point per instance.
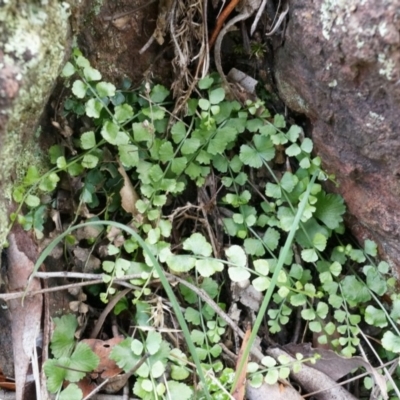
(85, 260)
(313, 380)
(107, 368)
(116, 237)
(122, 23)
(103, 349)
(25, 318)
(336, 366)
(129, 196)
(86, 385)
(273, 392)
(79, 305)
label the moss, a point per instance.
(97, 4)
(35, 41)
(28, 154)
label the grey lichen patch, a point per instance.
(34, 38)
(387, 66)
(291, 97)
(374, 120)
(334, 14)
(364, 36)
(336, 18)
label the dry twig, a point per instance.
(220, 21)
(110, 305)
(247, 11)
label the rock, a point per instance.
(340, 66)
(112, 35)
(34, 42)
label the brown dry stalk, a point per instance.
(220, 21)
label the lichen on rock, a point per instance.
(34, 42)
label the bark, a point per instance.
(340, 66)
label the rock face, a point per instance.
(340, 66)
(111, 37)
(33, 45)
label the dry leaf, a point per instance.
(85, 260)
(129, 197)
(247, 295)
(122, 23)
(336, 366)
(79, 306)
(107, 368)
(86, 385)
(25, 319)
(113, 233)
(273, 392)
(88, 232)
(55, 216)
(314, 381)
(102, 348)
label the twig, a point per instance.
(35, 371)
(220, 21)
(69, 275)
(125, 13)
(204, 296)
(114, 326)
(279, 22)
(247, 11)
(210, 231)
(182, 60)
(93, 281)
(110, 305)
(387, 373)
(96, 389)
(118, 377)
(126, 392)
(230, 354)
(342, 383)
(257, 17)
(200, 292)
(147, 45)
(204, 60)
